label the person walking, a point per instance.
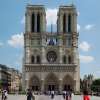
(67, 95)
(52, 94)
(2, 95)
(29, 95)
(85, 95)
(5, 94)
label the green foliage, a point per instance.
(96, 85)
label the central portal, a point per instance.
(51, 83)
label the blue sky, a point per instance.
(12, 28)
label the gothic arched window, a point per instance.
(38, 59)
(64, 23)
(32, 59)
(69, 59)
(64, 59)
(38, 22)
(33, 21)
(69, 23)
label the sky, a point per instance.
(12, 23)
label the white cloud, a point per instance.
(86, 59)
(89, 27)
(23, 20)
(51, 16)
(16, 40)
(84, 46)
(78, 27)
(78, 13)
(1, 44)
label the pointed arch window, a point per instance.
(64, 60)
(38, 22)
(33, 23)
(32, 59)
(69, 23)
(69, 59)
(38, 59)
(64, 23)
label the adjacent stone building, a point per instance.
(16, 80)
(5, 77)
(10, 79)
(51, 59)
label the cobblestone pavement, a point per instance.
(42, 97)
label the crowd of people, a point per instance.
(67, 95)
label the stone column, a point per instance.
(27, 22)
(60, 54)
(42, 85)
(27, 49)
(60, 85)
(43, 25)
(35, 22)
(27, 80)
(61, 22)
(75, 22)
(27, 55)
(27, 84)
(43, 55)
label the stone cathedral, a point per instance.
(51, 59)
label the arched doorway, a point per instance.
(34, 83)
(51, 82)
(68, 83)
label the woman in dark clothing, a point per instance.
(29, 95)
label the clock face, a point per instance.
(51, 56)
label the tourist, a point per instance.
(67, 95)
(85, 95)
(64, 94)
(52, 94)
(5, 94)
(2, 96)
(29, 95)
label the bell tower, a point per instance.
(35, 19)
(67, 29)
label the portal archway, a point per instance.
(51, 82)
(34, 83)
(68, 83)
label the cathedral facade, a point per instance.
(51, 59)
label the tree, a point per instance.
(96, 85)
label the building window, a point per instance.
(64, 59)
(38, 22)
(69, 59)
(33, 21)
(69, 23)
(64, 23)
(32, 59)
(38, 59)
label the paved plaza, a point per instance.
(42, 97)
